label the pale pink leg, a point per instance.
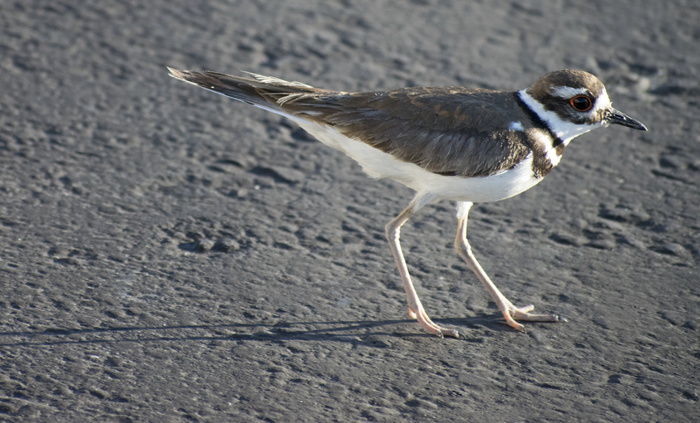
(415, 308)
(510, 312)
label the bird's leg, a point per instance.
(415, 308)
(510, 312)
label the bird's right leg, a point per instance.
(510, 312)
(415, 308)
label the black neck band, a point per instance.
(537, 120)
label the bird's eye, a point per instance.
(581, 103)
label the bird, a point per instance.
(467, 145)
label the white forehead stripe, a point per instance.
(516, 126)
(602, 102)
(567, 92)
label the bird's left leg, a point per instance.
(415, 308)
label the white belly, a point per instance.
(379, 164)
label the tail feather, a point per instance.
(267, 92)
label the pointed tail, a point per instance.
(262, 91)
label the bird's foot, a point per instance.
(512, 313)
(431, 327)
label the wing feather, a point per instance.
(445, 130)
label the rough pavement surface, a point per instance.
(167, 254)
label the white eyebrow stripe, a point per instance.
(568, 92)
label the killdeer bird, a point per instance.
(446, 143)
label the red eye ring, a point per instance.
(581, 103)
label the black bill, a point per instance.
(619, 118)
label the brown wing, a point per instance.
(451, 131)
